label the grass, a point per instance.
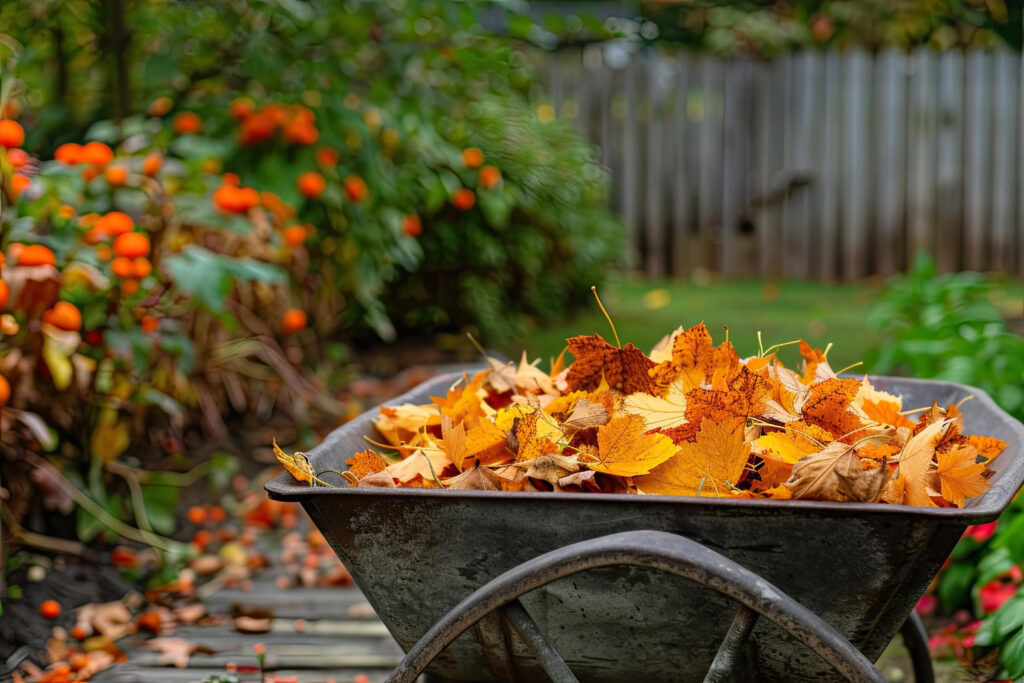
(644, 312)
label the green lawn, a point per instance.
(644, 312)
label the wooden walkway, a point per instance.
(316, 634)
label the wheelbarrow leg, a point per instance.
(735, 639)
(657, 550)
(551, 661)
(915, 639)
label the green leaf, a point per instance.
(160, 502)
(211, 277)
(955, 586)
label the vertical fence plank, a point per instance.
(949, 188)
(854, 241)
(709, 194)
(771, 108)
(890, 130)
(977, 150)
(802, 105)
(829, 172)
(654, 220)
(680, 174)
(631, 155)
(922, 155)
(1004, 177)
(733, 167)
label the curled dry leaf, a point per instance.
(835, 473)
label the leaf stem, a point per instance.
(607, 317)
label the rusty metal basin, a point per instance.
(416, 553)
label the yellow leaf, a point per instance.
(658, 412)
(791, 445)
(298, 466)
(110, 437)
(624, 450)
(709, 466)
(960, 475)
(364, 463)
(915, 463)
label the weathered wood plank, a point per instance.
(680, 183)
(949, 183)
(829, 172)
(1005, 119)
(804, 95)
(854, 239)
(632, 149)
(977, 162)
(890, 128)
(922, 155)
(771, 130)
(709, 193)
(655, 235)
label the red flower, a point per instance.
(994, 593)
(981, 532)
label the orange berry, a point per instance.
(122, 267)
(187, 122)
(103, 252)
(463, 199)
(17, 157)
(472, 157)
(196, 514)
(89, 220)
(160, 106)
(233, 199)
(293, 320)
(66, 211)
(411, 225)
(92, 172)
(117, 176)
(295, 235)
(149, 621)
(202, 538)
(152, 163)
(300, 132)
(141, 268)
(325, 156)
(230, 179)
(355, 188)
(19, 183)
(50, 609)
(311, 184)
(36, 255)
(79, 633)
(11, 134)
(131, 245)
(5, 391)
(79, 661)
(241, 107)
(129, 287)
(5, 295)
(115, 223)
(97, 153)
(259, 648)
(489, 176)
(149, 324)
(64, 316)
(217, 514)
(69, 153)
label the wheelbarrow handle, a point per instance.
(654, 550)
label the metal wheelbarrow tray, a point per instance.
(416, 553)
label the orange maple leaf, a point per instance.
(960, 475)
(791, 445)
(625, 369)
(486, 443)
(988, 446)
(886, 412)
(625, 450)
(365, 462)
(694, 360)
(827, 406)
(710, 466)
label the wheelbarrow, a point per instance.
(522, 586)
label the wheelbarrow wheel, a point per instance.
(655, 550)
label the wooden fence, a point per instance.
(815, 165)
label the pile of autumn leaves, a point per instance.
(691, 419)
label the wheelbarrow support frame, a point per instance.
(653, 550)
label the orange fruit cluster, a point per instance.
(311, 184)
(296, 123)
(233, 198)
(187, 122)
